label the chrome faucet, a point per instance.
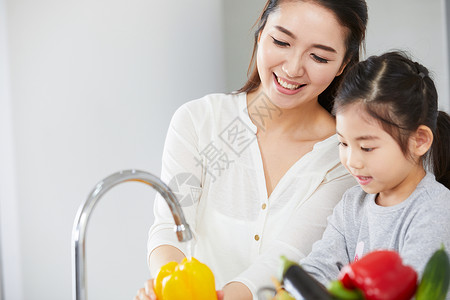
(182, 229)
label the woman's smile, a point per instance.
(286, 86)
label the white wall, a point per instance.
(88, 87)
(239, 29)
(418, 27)
(447, 18)
(10, 260)
(93, 87)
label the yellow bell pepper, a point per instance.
(188, 280)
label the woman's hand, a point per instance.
(148, 293)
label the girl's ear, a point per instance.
(421, 140)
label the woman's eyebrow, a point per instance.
(292, 35)
(284, 30)
(326, 48)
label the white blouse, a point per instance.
(213, 164)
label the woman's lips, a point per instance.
(287, 87)
(363, 180)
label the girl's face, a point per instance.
(374, 158)
(300, 51)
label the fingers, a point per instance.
(149, 289)
(142, 295)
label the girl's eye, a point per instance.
(367, 149)
(319, 59)
(279, 43)
(342, 144)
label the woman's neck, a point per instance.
(308, 119)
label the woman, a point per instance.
(262, 165)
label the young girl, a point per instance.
(390, 134)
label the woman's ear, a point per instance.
(421, 140)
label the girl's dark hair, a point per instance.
(351, 14)
(401, 95)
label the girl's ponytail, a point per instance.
(440, 151)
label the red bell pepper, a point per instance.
(380, 275)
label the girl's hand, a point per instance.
(148, 293)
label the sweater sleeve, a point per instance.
(182, 171)
(306, 225)
(327, 253)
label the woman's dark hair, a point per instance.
(401, 95)
(351, 14)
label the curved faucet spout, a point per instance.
(182, 229)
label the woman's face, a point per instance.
(300, 51)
